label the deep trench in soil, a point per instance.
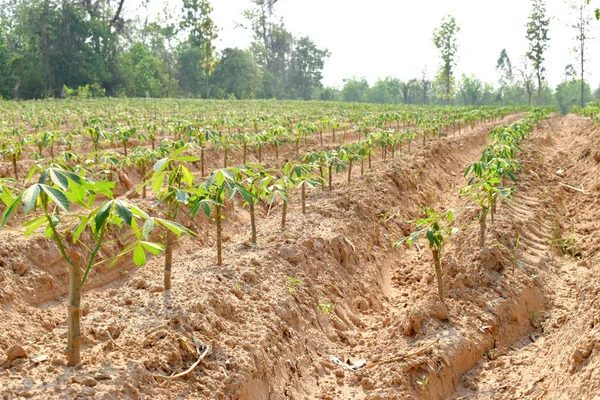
(518, 322)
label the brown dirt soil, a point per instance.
(331, 284)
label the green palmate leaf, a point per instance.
(147, 227)
(34, 224)
(187, 159)
(57, 196)
(102, 214)
(153, 248)
(11, 209)
(123, 211)
(431, 238)
(157, 182)
(49, 232)
(139, 255)
(59, 179)
(30, 197)
(81, 227)
(188, 177)
(122, 253)
(174, 227)
(182, 196)
(206, 208)
(160, 164)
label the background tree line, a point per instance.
(58, 48)
(46, 45)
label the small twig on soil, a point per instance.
(419, 248)
(574, 188)
(187, 371)
(404, 356)
(113, 341)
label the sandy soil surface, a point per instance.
(517, 323)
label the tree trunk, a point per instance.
(303, 198)
(74, 315)
(582, 45)
(349, 171)
(253, 224)
(539, 96)
(143, 181)
(330, 177)
(14, 164)
(284, 214)
(202, 160)
(168, 260)
(438, 272)
(225, 159)
(219, 239)
(482, 227)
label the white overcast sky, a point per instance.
(379, 38)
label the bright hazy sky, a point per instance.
(379, 38)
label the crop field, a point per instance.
(189, 249)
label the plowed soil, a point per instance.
(518, 321)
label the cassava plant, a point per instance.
(303, 176)
(221, 185)
(433, 228)
(172, 183)
(61, 203)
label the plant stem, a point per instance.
(284, 214)
(482, 226)
(74, 300)
(168, 260)
(253, 224)
(219, 239)
(303, 198)
(438, 271)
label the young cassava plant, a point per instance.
(221, 185)
(172, 183)
(435, 232)
(61, 203)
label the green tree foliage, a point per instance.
(582, 17)
(7, 80)
(305, 70)
(474, 92)
(568, 92)
(537, 35)
(444, 38)
(291, 67)
(237, 75)
(355, 90)
(505, 69)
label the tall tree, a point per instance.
(444, 38)
(537, 35)
(425, 85)
(582, 16)
(355, 89)
(202, 33)
(526, 79)
(7, 80)
(306, 68)
(505, 69)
